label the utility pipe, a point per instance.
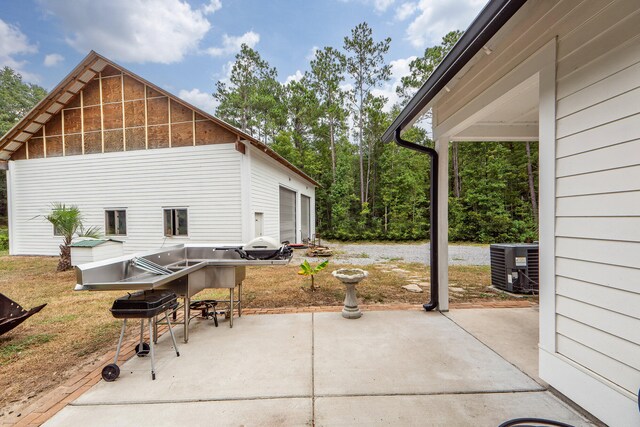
(433, 215)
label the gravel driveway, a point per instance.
(366, 254)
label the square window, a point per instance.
(115, 222)
(175, 222)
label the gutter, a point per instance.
(433, 217)
(493, 17)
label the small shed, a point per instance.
(90, 250)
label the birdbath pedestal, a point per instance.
(350, 277)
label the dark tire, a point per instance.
(110, 372)
(141, 352)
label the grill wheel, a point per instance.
(141, 352)
(110, 372)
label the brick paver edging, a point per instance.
(53, 401)
(387, 307)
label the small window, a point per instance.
(175, 222)
(57, 231)
(115, 222)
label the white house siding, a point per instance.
(267, 176)
(598, 204)
(204, 179)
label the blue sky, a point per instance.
(185, 46)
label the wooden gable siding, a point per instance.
(116, 112)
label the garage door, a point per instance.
(287, 215)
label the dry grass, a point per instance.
(76, 328)
(72, 330)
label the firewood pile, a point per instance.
(319, 251)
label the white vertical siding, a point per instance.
(266, 178)
(598, 199)
(204, 179)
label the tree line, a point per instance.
(329, 124)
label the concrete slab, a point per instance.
(406, 352)
(260, 357)
(392, 368)
(510, 332)
(267, 412)
(442, 410)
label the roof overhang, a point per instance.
(493, 17)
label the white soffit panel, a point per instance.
(87, 75)
(42, 118)
(65, 97)
(99, 65)
(54, 108)
(13, 145)
(33, 127)
(22, 137)
(75, 87)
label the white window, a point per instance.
(175, 222)
(115, 222)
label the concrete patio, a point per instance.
(386, 368)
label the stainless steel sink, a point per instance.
(184, 269)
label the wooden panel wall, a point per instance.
(115, 112)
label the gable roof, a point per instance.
(494, 15)
(76, 80)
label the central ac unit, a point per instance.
(515, 267)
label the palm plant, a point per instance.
(67, 222)
(307, 270)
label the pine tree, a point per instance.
(327, 73)
(16, 99)
(367, 68)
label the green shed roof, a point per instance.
(92, 243)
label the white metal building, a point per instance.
(565, 73)
(146, 167)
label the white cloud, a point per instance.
(312, 53)
(399, 69)
(379, 6)
(53, 59)
(346, 87)
(140, 31)
(382, 5)
(14, 42)
(203, 100)
(212, 7)
(295, 77)
(405, 10)
(232, 44)
(437, 17)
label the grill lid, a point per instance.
(262, 243)
(144, 300)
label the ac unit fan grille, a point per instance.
(498, 268)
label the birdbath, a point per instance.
(350, 277)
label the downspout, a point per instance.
(433, 215)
